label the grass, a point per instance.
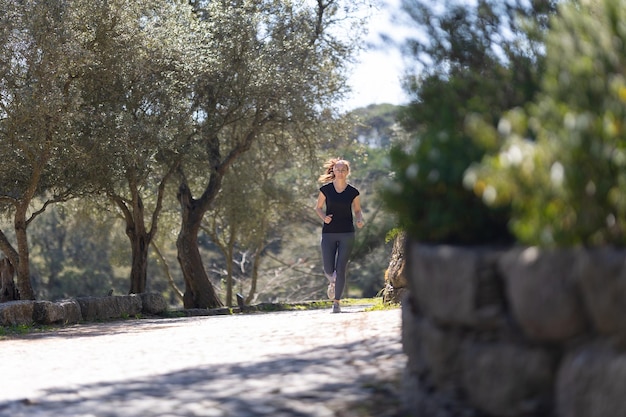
(15, 329)
(373, 304)
(21, 329)
(379, 305)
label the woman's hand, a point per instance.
(328, 218)
(360, 223)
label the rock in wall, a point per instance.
(514, 332)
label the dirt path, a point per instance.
(304, 363)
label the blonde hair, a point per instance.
(329, 167)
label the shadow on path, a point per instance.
(329, 381)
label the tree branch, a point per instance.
(56, 199)
(168, 274)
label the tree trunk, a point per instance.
(140, 236)
(140, 244)
(8, 290)
(199, 292)
(395, 277)
(24, 286)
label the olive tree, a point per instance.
(137, 97)
(275, 68)
(44, 160)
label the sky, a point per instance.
(375, 79)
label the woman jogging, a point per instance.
(341, 200)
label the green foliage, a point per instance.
(376, 304)
(377, 124)
(121, 99)
(470, 75)
(79, 249)
(76, 251)
(6, 332)
(437, 208)
(380, 305)
(16, 329)
(562, 163)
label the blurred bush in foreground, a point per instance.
(562, 164)
(469, 75)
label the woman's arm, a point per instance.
(358, 214)
(319, 208)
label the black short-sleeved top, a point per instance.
(340, 206)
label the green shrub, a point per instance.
(433, 206)
(469, 75)
(562, 165)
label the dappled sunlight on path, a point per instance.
(309, 363)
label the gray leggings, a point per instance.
(336, 249)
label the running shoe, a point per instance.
(336, 308)
(331, 286)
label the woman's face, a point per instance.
(341, 170)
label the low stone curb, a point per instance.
(72, 311)
(92, 309)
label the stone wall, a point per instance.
(517, 332)
(84, 309)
